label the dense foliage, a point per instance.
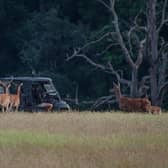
(37, 35)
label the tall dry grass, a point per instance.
(83, 140)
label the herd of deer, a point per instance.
(135, 104)
(9, 102)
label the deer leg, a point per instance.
(10, 108)
(16, 109)
(7, 109)
(149, 112)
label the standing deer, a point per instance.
(154, 109)
(5, 97)
(15, 98)
(130, 104)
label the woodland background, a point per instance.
(37, 37)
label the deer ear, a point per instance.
(146, 95)
(9, 85)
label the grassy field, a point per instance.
(83, 140)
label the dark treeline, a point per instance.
(37, 35)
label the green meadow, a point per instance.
(85, 139)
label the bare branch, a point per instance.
(107, 48)
(163, 18)
(78, 50)
(108, 69)
(106, 27)
(164, 22)
(129, 39)
(163, 46)
(104, 4)
(116, 24)
(140, 53)
(136, 17)
(102, 67)
(112, 3)
(120, 38)
(162, 72)
(137, 26)
(102, 100)
(95, 41)
(133, 29)
(119, 78)
(143, 87)
(162, 90)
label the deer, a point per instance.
(154, 109)
(5, 97)
(131, 104)
(15, 98)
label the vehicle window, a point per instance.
(49, 88)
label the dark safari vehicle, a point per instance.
(37, 90)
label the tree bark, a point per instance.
(153, 48)
(134, 84)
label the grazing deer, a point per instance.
(5, 97)
(154, 109)
(130, 104)
(15, 98)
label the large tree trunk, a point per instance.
(154, 85)
(153, 48)
(134, 83)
